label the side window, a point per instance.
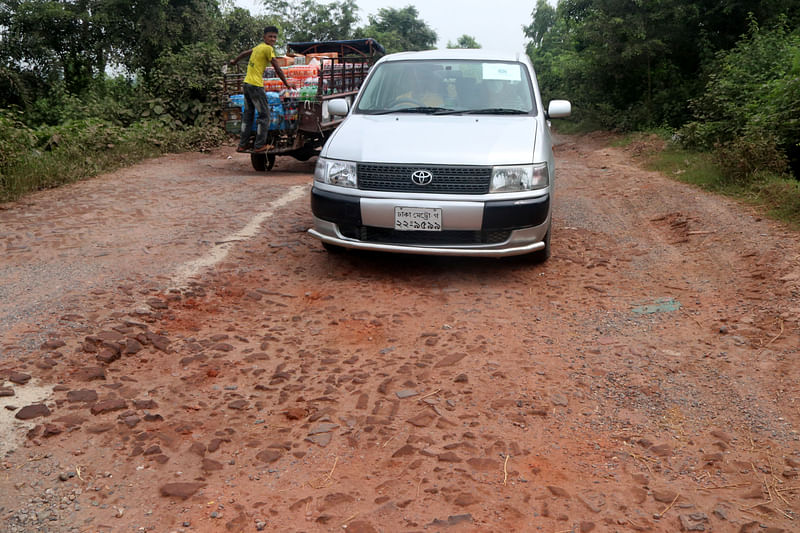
(372, 92)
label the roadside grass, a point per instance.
(776, 196)
(574, 126)
(49, 169)
(696, 168)
(781, 196)
(71, 155)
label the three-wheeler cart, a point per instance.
(299, 120)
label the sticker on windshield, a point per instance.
(501, 71)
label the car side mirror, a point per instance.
(559, 109)
(338, 106)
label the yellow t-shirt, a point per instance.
(259, 59)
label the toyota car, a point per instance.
(442, 152)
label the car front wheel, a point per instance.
(332, 248)
(540, 256)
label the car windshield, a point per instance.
(448, 87)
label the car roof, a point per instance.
(457, 53)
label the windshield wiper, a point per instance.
(446, 111)
(421, 109)
(495, 111)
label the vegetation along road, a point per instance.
(179, 355)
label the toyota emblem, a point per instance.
(422, 177)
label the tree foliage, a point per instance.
(637, 63)
(188, 81)
(399, 30)
(144, 30)
(239, 30)
(465, 41)
(71, 43)
(308, 20)
(55, 39)
(750, 109)
(544, 18)
(51, 49)
(703, 64)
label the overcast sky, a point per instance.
(495, 24)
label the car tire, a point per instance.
(304, 154)
(540, 256)
(332, 248)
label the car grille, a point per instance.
(446, 179)
(424, 238)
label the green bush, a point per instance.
(12, 86)
(118, 101)
(750, 157)
(783, 197)
(750, 112)
(16, 139)
(189, 84)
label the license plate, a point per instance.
(417, 219)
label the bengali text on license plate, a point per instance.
(417, 219)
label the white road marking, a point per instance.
(12, 431)
(221, 250)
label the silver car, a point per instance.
(442, 152)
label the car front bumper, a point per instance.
(488, 228)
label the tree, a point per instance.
(465, 41)
(544, 18)
(239, 30)
(752, 96)
(308, 20)
(140, 32)
(637, 63)
(399, 30)
(56, 40)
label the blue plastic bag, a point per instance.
(276, 112)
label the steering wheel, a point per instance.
(404, 101)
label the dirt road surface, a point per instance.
(177, 354)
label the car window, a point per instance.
(448, 86)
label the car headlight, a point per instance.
(335, 172)
(519, 178)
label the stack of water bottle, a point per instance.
(308, 90)
(282, 108)
(288, 100)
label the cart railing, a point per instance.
(342, 68)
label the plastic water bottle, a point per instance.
(308, 93)
(275, 116)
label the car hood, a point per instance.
(432, 139)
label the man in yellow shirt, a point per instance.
(255, 98)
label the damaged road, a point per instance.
(177, 354)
